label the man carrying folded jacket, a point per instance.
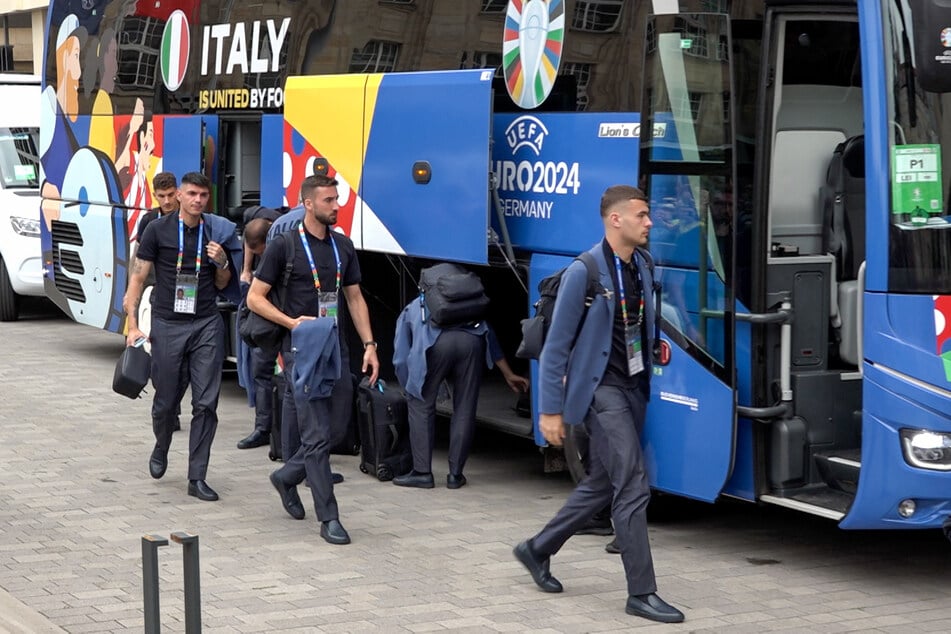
(324, 264)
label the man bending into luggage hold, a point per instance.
(424, 356)
(613, 346)
(315, 352)
(257, 222)
(192, 252)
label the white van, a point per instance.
(21, 270)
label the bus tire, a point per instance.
(9, 300)
(576, 451)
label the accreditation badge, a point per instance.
(635, 355)
(327, 304)
(186, 294)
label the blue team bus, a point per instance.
(791, 152)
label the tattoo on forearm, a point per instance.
(136, 266)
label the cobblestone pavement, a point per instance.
(76, 498)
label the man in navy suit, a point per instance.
(601, 379)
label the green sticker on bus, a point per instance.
(916, 183)
(24, 172)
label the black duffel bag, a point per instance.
(132, 371)
(452, 295)
(256, 331)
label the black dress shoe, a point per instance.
(257, 438)
(650, 606)
(201, 490)
(415, 479)
(289, 498)
(158, 463)
(538, 567)
(333, 532)
(455, 481)
(612, 547)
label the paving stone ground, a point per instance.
(76, 498)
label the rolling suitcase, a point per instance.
(277, 416)
(384, 431)
(348, 442)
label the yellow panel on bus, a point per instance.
(333, 113)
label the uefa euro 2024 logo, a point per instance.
(531, 49)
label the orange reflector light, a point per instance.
(422, 172)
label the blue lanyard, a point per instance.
(310, 256)
(181, 245)
(620, 285)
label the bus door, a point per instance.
(240, 164)
(411, 154)
(687, 164)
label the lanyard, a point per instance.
(620, 285)
(181, 245)
(310, 256)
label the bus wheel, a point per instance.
(9, 300)
(576, 451)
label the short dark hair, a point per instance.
(164, 180)
(311, 183)
(619, 194)
(255, 232)
(198, 179)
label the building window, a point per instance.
(651, 37)
(376, 57)
(715, 6)
(140, 39)
(601, 16)
(723, 51)
(482, 59)
(582, 74)
(696, 102)
(697, 36)
(494, 6)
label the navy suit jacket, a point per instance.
(570, 370)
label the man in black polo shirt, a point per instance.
(165, 192)
(324, 264)
(191, 266)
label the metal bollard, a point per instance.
(192, 580)
(150, 582)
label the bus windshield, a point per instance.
(18, 157)
(920, 231)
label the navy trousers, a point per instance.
(196, 347)
(309, 431)
(262, 367)
(456, 357)
(617, 475)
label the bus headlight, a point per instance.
(29, 227)
(926, 449)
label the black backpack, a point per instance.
(452, 295)
(535, 329)
(256, 331)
